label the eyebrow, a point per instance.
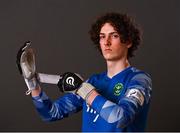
(109, 33)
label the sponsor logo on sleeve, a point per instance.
(135, 93)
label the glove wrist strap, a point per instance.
(85, 90)
(32, 84)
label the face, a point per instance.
(110, 43)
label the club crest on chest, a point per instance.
(118, 89)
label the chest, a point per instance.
(112, 89)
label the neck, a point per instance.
(114, 67)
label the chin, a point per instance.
(111, 58)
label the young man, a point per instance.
(115, 100)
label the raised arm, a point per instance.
(48, 110)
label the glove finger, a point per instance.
(27, 63)
(19, 54)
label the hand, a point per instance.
(69, 82)
(25, 61)
(72, 82)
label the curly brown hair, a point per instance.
(123, 24)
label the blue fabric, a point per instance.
(62, 107)
(120, 113)
(115, 109)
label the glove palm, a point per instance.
(26, 64)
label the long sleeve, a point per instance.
(135, 99)
(62, 107)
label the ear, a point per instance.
(129, 45)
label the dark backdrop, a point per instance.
(58, 30)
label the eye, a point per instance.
(115, 36)
(101, 36)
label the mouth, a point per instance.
(108, 50)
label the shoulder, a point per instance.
(137, 73)
(140, 77)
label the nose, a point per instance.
(107, 41)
